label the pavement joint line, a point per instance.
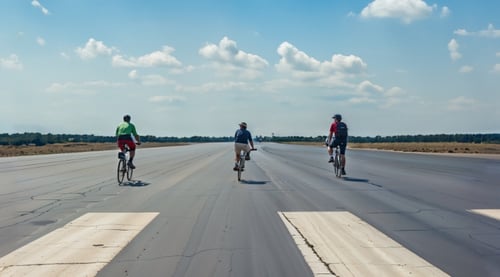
(353, 247)
(310, 245)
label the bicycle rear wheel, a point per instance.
(121, 171)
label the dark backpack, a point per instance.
(341, 130)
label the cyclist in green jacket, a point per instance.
(127, 135)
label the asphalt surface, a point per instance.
(209, 224)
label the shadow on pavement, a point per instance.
(250, 182)
(135, 183)
(351, 179)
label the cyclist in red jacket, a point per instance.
(338, 128)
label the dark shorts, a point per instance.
(128, 141)
(341, 143)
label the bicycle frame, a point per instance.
(241, 163)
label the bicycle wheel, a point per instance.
(336, 164)
(130, 172)
(241, 165)
(121, 171)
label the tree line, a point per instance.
(40, 139)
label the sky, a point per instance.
(200, 67)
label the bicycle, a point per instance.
(241, 164)
(336, 163)
(123, 166)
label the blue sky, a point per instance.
(185, 68)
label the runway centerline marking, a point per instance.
(80, 248)
(348, 246)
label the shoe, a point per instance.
(343, 172)
(131, 165)
(247, 157)
(330, 160)
(235, 168)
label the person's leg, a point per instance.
(343, 146)
(131, 147)
(237, 156)
(120, 144)
(330, 150)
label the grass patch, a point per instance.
(425, 147)
(10, 151)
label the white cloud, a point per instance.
(361, 100)
(301, 65)
(405, 10)
(158, 58)
(133, 74)
(496, 68)
(149, 80)
(394, 92)
(154, 80)
(445, 12)
(167, 98)
(82, 88)
(466, 69)
(37, 4)
(292, 59)
(64, 55)
(367, 86)
(490, 32)
(453, 48)
(461, 32)
(219, 86)
(461, 103)
(92, 49)
(228, 58)
(367, 93)
(40, 41)
(12, 62)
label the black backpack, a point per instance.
(341, 130)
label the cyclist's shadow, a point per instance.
(251, 182)
(135, 183)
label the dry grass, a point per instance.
(428, 147)
(434, 147)
(8, 151)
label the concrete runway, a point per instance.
(394, 214)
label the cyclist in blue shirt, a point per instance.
(241, 139)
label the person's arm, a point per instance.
(136, 136)
(250, 139)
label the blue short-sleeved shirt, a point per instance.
(242, 136)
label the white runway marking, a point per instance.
(348, 246)
(80, 248)
(493, 213)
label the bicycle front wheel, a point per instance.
(240, 167)
(121, 171)
(130, 171)
(336, 164)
